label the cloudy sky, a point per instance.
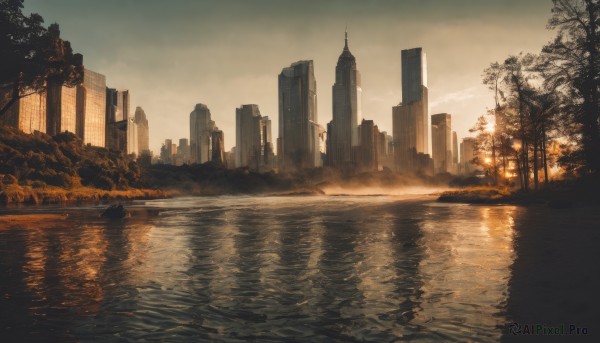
(174, 54)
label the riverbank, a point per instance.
(15, 194)
(556, 195)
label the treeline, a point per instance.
(213, 179)
(547, 106)
(40, 160)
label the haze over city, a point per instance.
(174, 55)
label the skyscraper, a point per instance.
(118, 127)
(201, 127)
(28, 114)
(441, 142)
(218, 147)
(346, 109)
(454, 152)
(467, 154)
(91, 108)
(367, 159)
(166, 152)
(299, 132)
(247, 135)
(254, 148)
(132, 136)
(410, 117)
(143, 131)
(61, 107)
(183, 152)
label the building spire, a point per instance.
(346, 38)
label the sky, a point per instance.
(174, 54)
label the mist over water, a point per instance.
(405, 191)
(319, 268)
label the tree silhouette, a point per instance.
(572, 63)
(32, 56)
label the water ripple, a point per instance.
(266, 269)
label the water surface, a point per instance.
(345, 268)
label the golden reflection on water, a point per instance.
(80, 261)
(36, 246)
(465, 270)
(375, 270)
(359, 267)
(66, 270)
(222, 256)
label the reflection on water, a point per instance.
(261, 268)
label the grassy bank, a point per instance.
(477, 195)
(560, 194)
(14, 193)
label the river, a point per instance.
(260, 268)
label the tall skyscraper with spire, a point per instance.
(347, 113)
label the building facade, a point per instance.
(91, 109)
(299, 131)
(28, 114)
(467, 155)
(441, 142)
(254, 147)
(218, 147)
(143, 131)
(247, 135)
(61, 110)
(201, 127)
(455, 152)
(347, 114)
(410, 117)
(119, 130)
(368, 155)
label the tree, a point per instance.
(572, 62)
(32, 56)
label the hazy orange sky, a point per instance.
(174, 54)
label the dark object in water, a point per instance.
(115, 212)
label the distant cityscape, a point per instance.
(101, 116)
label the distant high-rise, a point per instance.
(441, 142)
(183, 152)
(347, 113)
(120, 130)
(166, 152)
(254, 148)
(299, 132)
(467, 154)
(91, 108)
(27, 114)
(143, 131)
(218, 147)
(410, 117)
(201, 127)
(454, 152)
(247, 135)
(385, 150)
(367, 151)
(132, 136)
(61, 107)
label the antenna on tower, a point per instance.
(346, 37)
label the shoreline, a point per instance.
(559, 195)
(27, 195)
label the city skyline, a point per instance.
(170, 65)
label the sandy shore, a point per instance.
(555, 276)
